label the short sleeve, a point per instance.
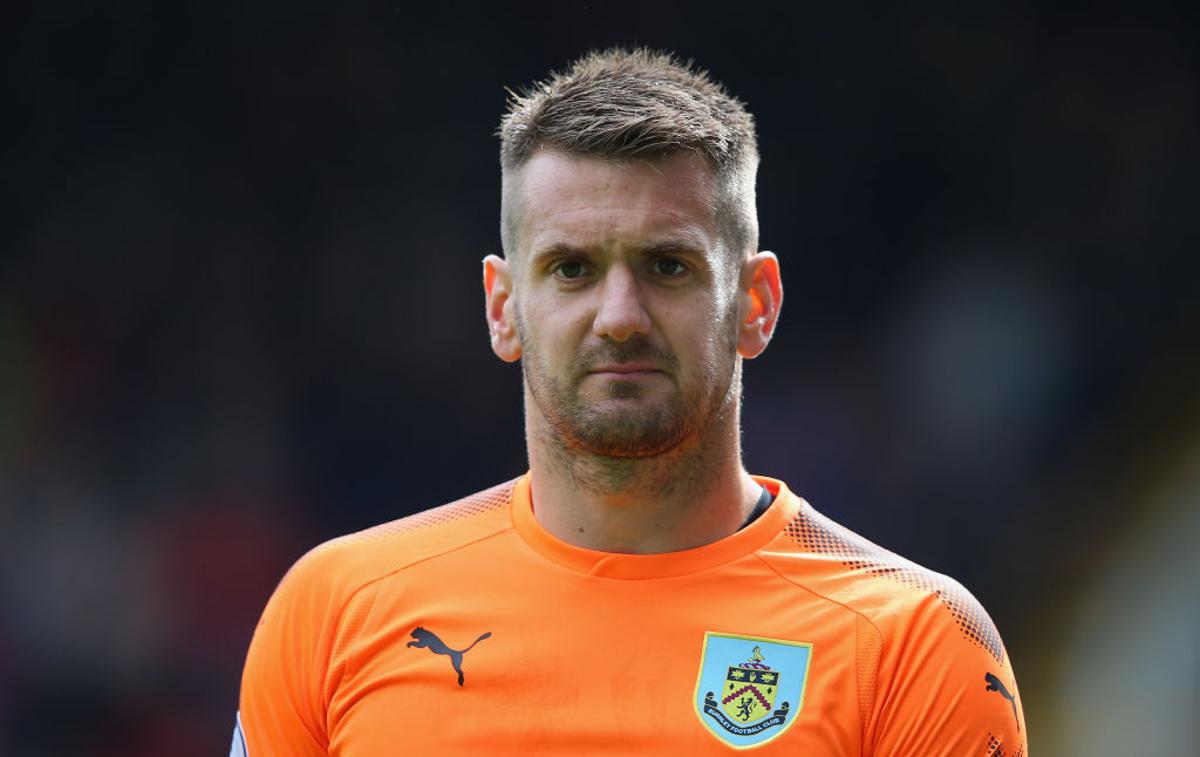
(945, 685)
(282, 698)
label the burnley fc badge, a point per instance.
(749, 689)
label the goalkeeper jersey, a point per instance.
(469, 629)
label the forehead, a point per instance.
(593, 201)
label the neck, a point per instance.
(686, 497)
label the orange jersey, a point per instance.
(469, 629)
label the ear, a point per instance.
(760, 296)
(498, 305)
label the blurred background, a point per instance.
(241, 313)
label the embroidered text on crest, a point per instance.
(746, 703)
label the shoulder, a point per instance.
(343, 566)
(935, 678)
(309, 631)
(894, 594)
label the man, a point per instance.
(637, 591)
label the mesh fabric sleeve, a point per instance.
(944, 685)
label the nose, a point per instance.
(620, 313)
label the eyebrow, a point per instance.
(659, 247)
(672, 245)
(560, 249)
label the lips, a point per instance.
(626, 368)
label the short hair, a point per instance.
(639, 104)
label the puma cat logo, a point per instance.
(424, 639)
(994, 684)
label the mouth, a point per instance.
(625, 371)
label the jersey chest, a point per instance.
(535, 659)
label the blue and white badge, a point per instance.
(238, 747)
(749, 689)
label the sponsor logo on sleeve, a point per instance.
(996, 685)
(238, 748)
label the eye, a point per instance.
(669, 267)
(569, 269)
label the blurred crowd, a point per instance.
(240, 314)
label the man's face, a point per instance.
(624, 301)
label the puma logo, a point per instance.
(994, 684)
(424, 639)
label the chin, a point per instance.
(629, 437)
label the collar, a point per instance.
(620, 565)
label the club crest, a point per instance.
(749, 690)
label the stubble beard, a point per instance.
(656, 445)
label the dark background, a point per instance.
(241, 312)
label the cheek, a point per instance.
(700, 343)
(718, 318)
(719, 344)
(548, 332)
